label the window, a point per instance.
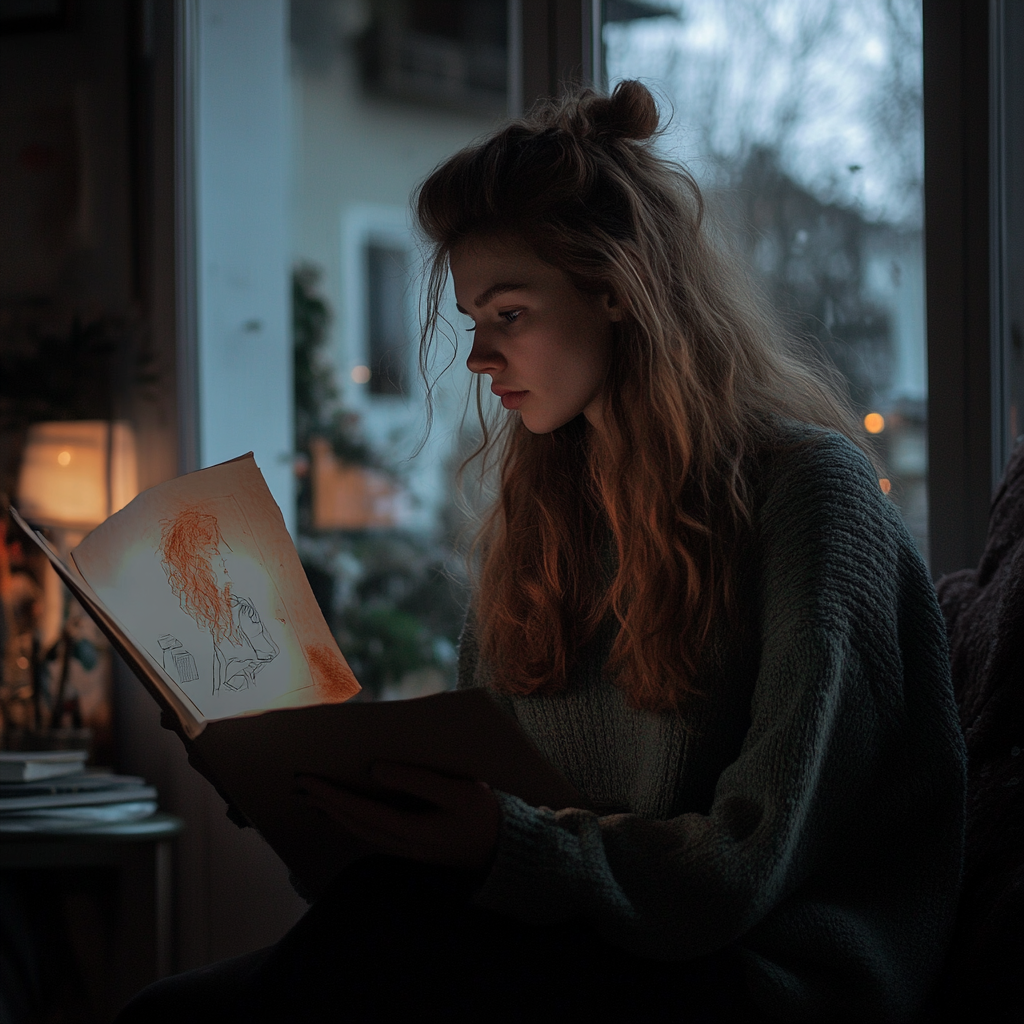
(803, 122)
(378, 100)
(387, 281)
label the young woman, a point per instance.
(694, 597)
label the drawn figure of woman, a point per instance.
(192, 551)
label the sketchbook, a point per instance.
(198, 586)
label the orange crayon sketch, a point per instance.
(191, 548)
(334, 679)
(189, 543)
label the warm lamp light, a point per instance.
(76, 474)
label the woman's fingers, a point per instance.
(458, 825)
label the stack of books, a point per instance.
(53, 791)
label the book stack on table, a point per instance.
(53, 791)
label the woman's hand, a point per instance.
(458, 828)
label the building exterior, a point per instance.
(382, 93)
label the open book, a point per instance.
(198, 586)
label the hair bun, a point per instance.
(629, 113)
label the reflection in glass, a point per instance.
(802, 119)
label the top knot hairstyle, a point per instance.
(573, 161)
(629, 113)
(642, 526)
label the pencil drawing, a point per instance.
(177, 658)
(194, 557)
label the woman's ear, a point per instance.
(613, 306)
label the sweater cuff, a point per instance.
(527, 877)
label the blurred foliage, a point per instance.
(393, 599)
(317, 409)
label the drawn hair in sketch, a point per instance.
(188, 544)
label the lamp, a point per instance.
(75, 474)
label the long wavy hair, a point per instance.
(188, 544)
(645, 520)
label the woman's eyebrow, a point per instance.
(484, 297)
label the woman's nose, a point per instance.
(484, 357)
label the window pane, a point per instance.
(802, 119)
(382, 92)
(388, 327)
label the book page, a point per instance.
(146, 668)
(202, 573)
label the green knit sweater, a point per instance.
(808, 813)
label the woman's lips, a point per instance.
(513, 399)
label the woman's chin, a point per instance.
(545, 424)
(536, 425)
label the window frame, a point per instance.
(964, 285)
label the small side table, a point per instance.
(91, 907)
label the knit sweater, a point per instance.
(808, 813)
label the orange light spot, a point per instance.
(885, 484)
(64, 458)
(874, 423)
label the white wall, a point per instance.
(243, 197)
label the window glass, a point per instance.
(381, 92)
(389, 332)
(802, 119)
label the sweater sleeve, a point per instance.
(836, 832)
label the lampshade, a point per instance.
(75, 474)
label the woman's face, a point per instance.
(544, 343)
